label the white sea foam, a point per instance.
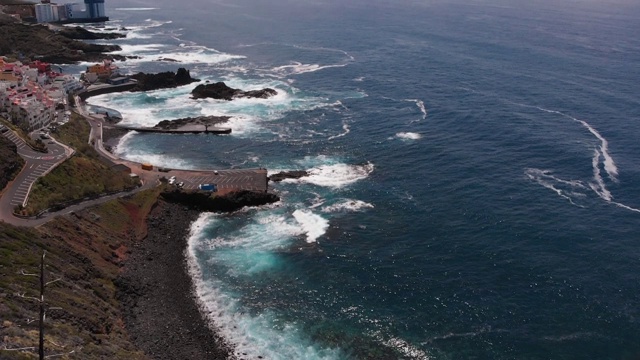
(138, 35)
(555, 184)
(599, 187)
(347, 205)
(187, 54)
(129, 49)
(574, 336)
(346, 129)
(335, 175)
(146, 109)
(403, 346)
(601, 158)
(420, 105)
(408, 136)
(268, 231)
(251, 335)
(609, 164)
(127, 150)
(297, 68)
(317, 201)
(312, 224)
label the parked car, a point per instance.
(208, 187)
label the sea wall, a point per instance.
(107, 89)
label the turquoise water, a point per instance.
(474, 173)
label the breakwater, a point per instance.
(96, 90)
(192, 129)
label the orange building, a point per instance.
(103, 71)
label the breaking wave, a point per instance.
(408, 136)
(601, 159)
(252, 335)
(335, 175)
(347, 205)
(314, 225)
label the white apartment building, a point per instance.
(44, 13)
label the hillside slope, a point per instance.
(10, 162)
(86, 251)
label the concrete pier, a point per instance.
(189, 129)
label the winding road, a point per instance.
(39, 164)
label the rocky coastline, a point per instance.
(156, 296)
(163, 80)
(155, 290)
(79, 33)
(189, 121)
(295, 174)
(20, 40)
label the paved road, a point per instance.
(36, 164)
(226, 180)
(39, 164)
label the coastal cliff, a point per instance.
(79, 33)
(124, 291)
(21, 40)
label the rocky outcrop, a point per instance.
(296, 174)
(79, 33)
(204, 201)
(20, 40)
(221, 91)
(200, 120)
(163, 80)
(10, 162)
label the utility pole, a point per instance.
(41, 345)
(43, 309)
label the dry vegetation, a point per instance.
(86, 251)
(82, 176)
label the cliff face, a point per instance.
(38, 42)
(86, 251)
(10, 162)
(234, 201)
(123, 292)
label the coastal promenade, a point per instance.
(226, 180)
(39, 164)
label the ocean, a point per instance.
(474, 188)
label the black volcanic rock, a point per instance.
(221, 91)
(79, 33)
(200, 120)
(203, 201)
(20, 40)
(155, 293)
(163, 80)
(296, 174)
